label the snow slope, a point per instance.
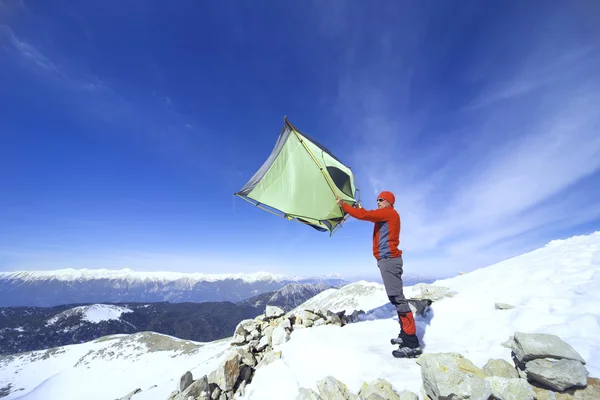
(554, 290)
(94, 313)
(108, 368)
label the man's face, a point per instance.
(382, 203)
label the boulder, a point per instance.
(272, 312)
(226, 375)
(185, 381)
(503, 306)
(246, 357)
(557, 374)
(450, 375)
(501, 368)
(308, 394)
(408, 395)
(530, 346)
(332, 389)
(196, 389)
(380, 387)
(425, 291)
(308, 315)
(268, 358)
(510, 388)
(590, 392)
(279, 336)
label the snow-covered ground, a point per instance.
(554, 290)
(108, 368)
(94, 313)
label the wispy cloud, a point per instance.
(480, 182)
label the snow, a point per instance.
(70, 274)
(554, 290)
(109, 369)
(94, 313)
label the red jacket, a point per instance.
(386, 233)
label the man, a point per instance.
(386, 238)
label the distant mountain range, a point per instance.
(69, 286)
(35, 328)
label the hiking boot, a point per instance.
(407, 352)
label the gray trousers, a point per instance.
(391, 272)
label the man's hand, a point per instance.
(339, 201)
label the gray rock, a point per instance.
(510, 388)
(286, 323)
(246, 326)
(238, 340)
(332, 389)
(308, 394)
(319, 322)
(196, 389)
(333, 318)
(557, 374)
(185, 381)
(226, 375)
(308, 315)
(503, 306)
(408, 395)
(501, 368)
(279, 336)
(530, 346)
(451, 376)
(380, 387)
(246, 357)
(268, 358)
(215, 392)
(273, 312)
(173, 394)
(373, 396)
(431, 292)
(263, 343)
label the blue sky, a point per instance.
(126, 127)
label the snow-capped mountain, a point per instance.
(552, 290)
(36, 328)
(288, 297)
(69, 286)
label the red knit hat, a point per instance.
(389, 196)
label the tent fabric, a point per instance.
(301, 179)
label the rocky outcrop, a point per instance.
(545, 367)
(547, 361)
(332, 389)
(255, 344)
(425, 291)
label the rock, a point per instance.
(503, 306)
(431, 292)
(269, 358)
(273, 312)
(308, 394)
(246, 357)
(308, 323)
(590, 392)
(286, 323)
(215, 391)
(373, 396)
(308, 315)
(450, 375)
(246, 326)
(530, 346)
(332, 389)
(173, 394)
(408, 395)
(238, 340)
(418, 307)
(195, 389)
(263, 343)
(557, 374)
(279, 336)
(319, 322)
(355, 316)
(510, 388)
(226, 375)
(501, 368)
(245, 377)
(379, 387)
(185, 381)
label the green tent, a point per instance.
(300, 181)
